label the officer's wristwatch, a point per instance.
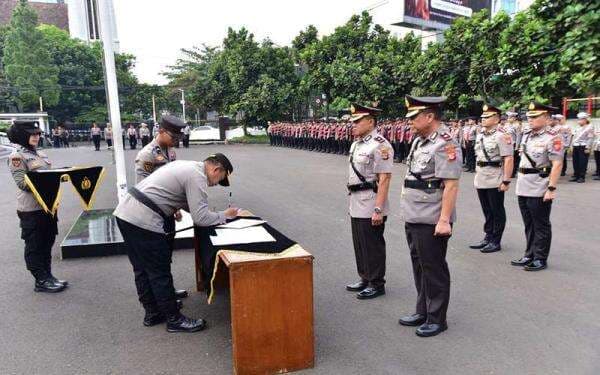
(551, 188)
(377, 210)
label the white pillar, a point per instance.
(110, 77)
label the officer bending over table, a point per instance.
(143, 218)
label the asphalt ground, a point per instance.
(501, 319)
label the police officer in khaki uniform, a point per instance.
(143, 218)
(541, 162)
(96, 134)
(38, 228)
(157, 154)
(494, 152)
(144, 134)
(369, 175)
(582, 145)
(160, 150)
(428, 208)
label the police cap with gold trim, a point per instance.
(489, 111)
(173, 124)
(417, 104)
(358, 111)
(536, 109)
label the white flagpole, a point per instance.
(110, 78)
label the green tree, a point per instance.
(551, 51)
(27, 63)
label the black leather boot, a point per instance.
(48, 286)
(181, 323)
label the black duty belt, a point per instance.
(368, 185)
(168, 222)
(497, 164)
(423, 184)
(543, 172)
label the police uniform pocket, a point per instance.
(424, 196)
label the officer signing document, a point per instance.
(143, 218)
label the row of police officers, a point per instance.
(430, 188)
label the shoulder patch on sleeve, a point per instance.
(557, 144)
(16, 161)
(148, 167)
(384, 151)
(379, 139)
(450, 149)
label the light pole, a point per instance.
(183, 103)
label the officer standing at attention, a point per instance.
(144, 134)
(370, 173)
(38, 228)
(96, 134)
(132, 136)
(160, 150)
(541, 162)
(143, 218)
(108, 136)
(156, 154)
(582, 144)
(428, 207)
(186, 136)
(494, 152)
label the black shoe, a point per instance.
(370, 292)
(479, 245)
(580, 180)
(153, 318)
(431, 329)
(597, 178)
(491, 248)
(63, 282)
(573, 179)
(48, 286)
(412, 320)
(181, 293)
(179, 304)
(181, 323)
(356, 287)
(561, 175)
(521, 262)
(536, 265)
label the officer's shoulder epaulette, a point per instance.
(379, 139)
(552, 132)
(445, 136)
(526, 131)
(501, 129)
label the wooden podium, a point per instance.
(271, 298)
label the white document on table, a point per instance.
(241, 236)
(242, 223)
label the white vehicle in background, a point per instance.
(204, 133)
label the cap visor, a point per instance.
(412, 113)
(357, 117)
(534, 113)
(224, 182)
(487, 114)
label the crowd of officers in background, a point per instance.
(336, 138)
(133, 134)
